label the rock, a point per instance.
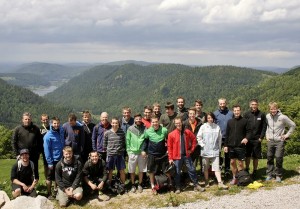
(3, 198)
(40, 202)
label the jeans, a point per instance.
(191, 170)
(275, 149)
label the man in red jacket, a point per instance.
(181, 143)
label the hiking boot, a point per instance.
(140, 189)
(198, 188)
(154, 192)
(234, 181)
(133, 189)
(227, 173)
(269, 178)
(177, 191)
(278, 179)
(221, 185)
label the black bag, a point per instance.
(161, 182)
(116, 186)
(244, 178)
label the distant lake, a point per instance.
(44, 91)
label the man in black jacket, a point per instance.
(238, 133)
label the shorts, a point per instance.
(116, 161)
(136, 160)
(14, 187)
(51, 172)
(253, 149)
(214, 161)
(237, 153)
(63, 198)
(157, 165)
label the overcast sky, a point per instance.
(195, 32)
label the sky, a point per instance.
(192, 32)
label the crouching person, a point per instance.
(68, 178)
(23, 176)
(94, 173)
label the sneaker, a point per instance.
(198, 188)
(278, 179)
(154, 192)
(177, 191)
(140, 189)
(269, 178)
(133, 189)
(221, 185)
(234, 181)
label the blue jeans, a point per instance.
(191, 170)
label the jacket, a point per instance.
(74, 137)
(187, 125)
(174, 143)
(276, 126)
(95, 171)
(210, 139)
(114, 142)
(222, 117)
(135, 139)
(155, 141)
(98, 136)
(258, 124)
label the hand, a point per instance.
(171, 162)
(144, 155)
(225, 149)
(100, 186)
(259, 139)
(93, 186)
(69, 192)
(283, 137)
(50, 167)
(244, 141)
(25, 187)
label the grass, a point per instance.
(146, 199)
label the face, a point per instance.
(210, 119)
(154, 123)
(192, 115)
(126, 114)
(180, 103)
(26, 120)
(254, 106)
(178, 124)
(45, 120)
(273, 110)
(138, 120)
(72, 122)
(169, 111)
(55, 124)
(198, 106)
(68, 155)
(147, 114)
(115, 124)
(156, 110)
(237, 112)
(25, 157)
(104, 118)
(94, 157)
(222, 104)
(86, 118)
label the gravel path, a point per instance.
(284, 197)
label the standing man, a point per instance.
(181, 109)
(258, 123)
(156, 110)
(98, 134)
(167, 119)
(238, 133)
(223, 115)
(134, 141)
(28, 136)
(88, 127)
(44, 128)
(199, 114)
(276, 137)
(126, 121)
(147, 116)
(181, 143)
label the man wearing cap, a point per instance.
(24, 177)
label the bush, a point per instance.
(5, 143)
(292, 146)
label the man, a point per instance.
(276, 137)
(181, 143)
(126, 121)
(199, 113)
(258, 122)
(181, 109)
(155, 146)
(44, 128)
(68, 172)
(147, 116)
(156, 109)
(88, 127)
(74, 135)
(94, 173)
(24, 176)
(98, 134)
(167, 119)
(223, 115)
(114, 144)
(53, 146)
(238, 133)
(28, 136)
(134, 141)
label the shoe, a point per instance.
(234, 181)
(154, 192)
(177, 191)
(140, 189)
(254, 173)
(133, 189)
(50, 197)
(198, 188)
(100, 193)
(207, 184)
(221, 185)
(278, 179)
(247, 169)
(269, 178)
(227, 173)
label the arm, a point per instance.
(47, 149)
(77, 179)
(58, 176)
(94, 138)
(128, 139)
(194, 142)
(264, 126)
(14, 141)
(170, 148)
(288, 122)
(200, 136)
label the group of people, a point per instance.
(81, 156)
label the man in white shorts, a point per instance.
(134, 141)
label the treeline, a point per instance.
(25, 79)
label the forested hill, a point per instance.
(15, 100)
(109, 88)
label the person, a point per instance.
(68, 174)
(156, 110)
(147, 116)
(126, 121)
(223, 115)
(155, 147)
(94, 173)
(28, 136)
(24, 176)
(53, 146)
(258, 123)
(167, 119)
(210, 139)
(181, 143)
(134, 141)
(88, 127)
(114, 144)
(98, 134)
(238, 133)
(181, 109)
(74, 135)
(44, 128)
(276, 137)
(199, 113)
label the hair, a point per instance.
(147, 107)
(68, 149)
(26, 114)
(211, 114)
(137, 115)
(156, 104)
(273, 104)
(86, 112)
(169, 105)
(55, 118)
(253, 100)
(236, 106)
(114, 118)
(44, 115)
(222, 99)
(178, 118)
(180, 97)
(126, 108)
(72, 116)
(199, 102)
(154, 117)
(192, 109)
(94, 151)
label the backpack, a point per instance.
(31, 165)
(160, 182)
(243, 178)
(116, 186)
